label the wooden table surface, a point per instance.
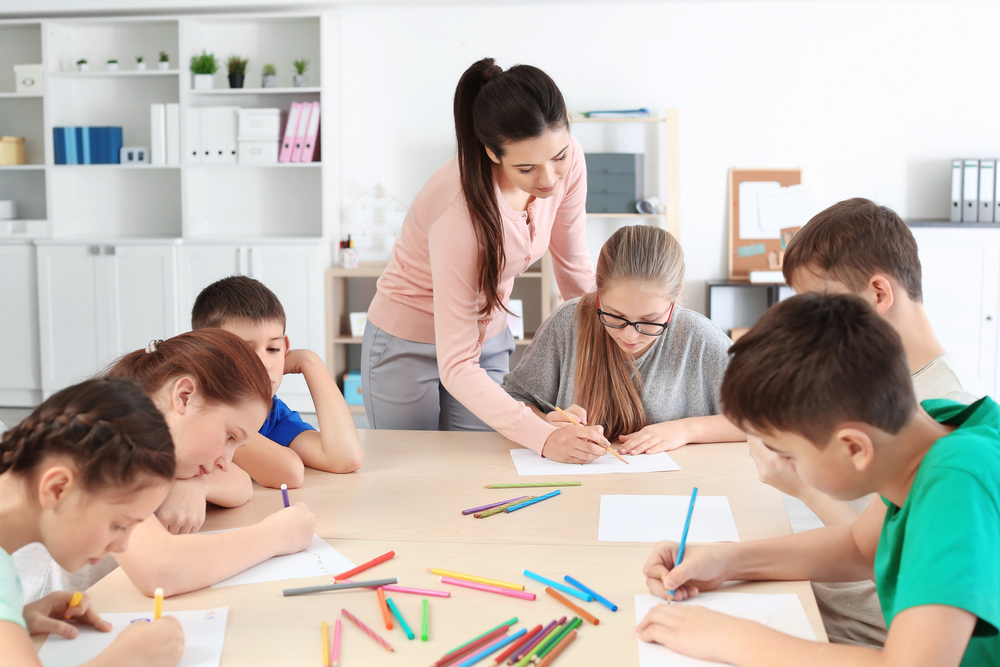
(408, 497)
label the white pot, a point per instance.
(300, 80)
(83, 67)
(140, 67)
(269, 81)
(204, 82)
(112, 67)
(163, 65)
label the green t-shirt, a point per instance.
(11, 593)
(942, 546)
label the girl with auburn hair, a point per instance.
(436, 345)
(628, 357)
(214, 394)
(78, 475)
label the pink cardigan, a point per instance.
(429, 291)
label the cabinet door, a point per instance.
(295, 274)
(142, 284)
(961, 272)
(199, 267)
(20, 369)
(71, 292)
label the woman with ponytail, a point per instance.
(436, 345)
(628, 357)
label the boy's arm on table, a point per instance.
(336, 447)
(269, 464)
(183, 563)
(831, 512)
(665, 436)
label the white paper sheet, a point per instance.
(320, 559)
(529, 463)
(785, 207)
(657, 518)
(782, 612)
(750, 194)
(204, 635)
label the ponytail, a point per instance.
(492, 108)
(109, 428)
(225, 369)
(606, 380)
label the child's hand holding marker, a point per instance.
(49, 613)
(293, 527)
(159, 643)
(703, 569)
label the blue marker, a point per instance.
(684, 535)
(586, 597)
(600, 598)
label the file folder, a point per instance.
(970, 190)
(192, 136)
(173, 133)
(956, 191)
(291, 127)
(157, 134)
(986, 184)
(300, 132)
(312, 131)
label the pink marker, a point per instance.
(524, 595)
(400, 589)
(336, 644)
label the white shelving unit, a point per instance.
(173, 213)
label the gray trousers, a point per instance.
(402, 386)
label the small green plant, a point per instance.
(164, 58)
(112, 60)
(237, 65)
(269, 70)
(138, 59)
(81, 61)
(301, 66)
(204, 64)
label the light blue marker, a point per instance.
(684, 535)
(586, 597)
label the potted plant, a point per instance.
(237, 70)
(204, 67)
(164, 60)
(139, 64)
(270, 79)
(83, 65)
(112, 65)
(300, 79)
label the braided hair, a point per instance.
(108, 428)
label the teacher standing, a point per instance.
(437, 345)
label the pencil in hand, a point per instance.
(684, 537)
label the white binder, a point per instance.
(987, 179)
(970, 190)
(206, 125)
(158, 133)
(192, 136)
(173, 133)
(996, 191)
(230, 122)
(956, 191)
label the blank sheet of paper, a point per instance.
(750, 193)
(657, 518)
(529, 463)
(204, 635)
(320, 559)
(782, 612)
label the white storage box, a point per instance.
(258, 152)
(29, 78)
(259, 125)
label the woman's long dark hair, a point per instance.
(494, 107)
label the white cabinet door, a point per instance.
(200, 266)
(20, 369)
(961, 272)
(142, 284)
(295, 274)
(71, 292)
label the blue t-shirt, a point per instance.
(11, 593)
(282, 424)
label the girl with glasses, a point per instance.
(628, 358)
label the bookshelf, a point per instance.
(187, 224)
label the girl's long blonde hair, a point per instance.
(606, 382)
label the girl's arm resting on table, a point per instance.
(270, 464)
(183, 563)
(666, 436)
(924, 636)
(229, 488)
(336, 447)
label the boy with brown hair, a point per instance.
(275, 456)
(824, 382)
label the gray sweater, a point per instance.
(681, 371)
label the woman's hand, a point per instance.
(575, 444)
(575, 410)
(183, 511)
(49, 613)
(655, 438)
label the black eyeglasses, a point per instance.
(645, 328)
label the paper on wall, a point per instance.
(318, 560)
(626, 518)
(750, 193)
(783, 208)
(529, 463)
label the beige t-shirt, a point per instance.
(941, 378)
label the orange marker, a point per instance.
(590, 618)
(385, 609)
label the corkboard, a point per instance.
(740, 267)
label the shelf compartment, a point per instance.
(20, 44)
(98, 40)
(26, 187)
(314, 90)
(94, 74)
(22, 117)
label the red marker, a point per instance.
(364, 566)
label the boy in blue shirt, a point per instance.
(285, 444)
(824, 382)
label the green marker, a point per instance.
(574, 624)
(507, 623)
(423, 625)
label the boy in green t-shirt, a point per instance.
(823, 380)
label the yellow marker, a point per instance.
(326, 644)
(157, 604)
(480, 580)
(77, 599)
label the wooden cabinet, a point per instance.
(20, 372)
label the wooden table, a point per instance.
(408, 497)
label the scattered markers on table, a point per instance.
(500, 509)
(336, 644)
(157, 604)
(470, 577)
(590, 618)
(401, 589)
(368, 631)
(531, 485)
(74, 601)
(404, 626)
(600, 598)
(386, 614)
(513, 648)
(503, 626)
(325, 632)
(364, 566)
(424, 621)
(684, 536)
(497, 644)
(539, 499)
(559, 648)
(535, 640)
(524, 595)
(475, 644)
(284, 494)
(586, 597)
(375, 583)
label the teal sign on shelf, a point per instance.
(751, 250)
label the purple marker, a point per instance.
(473, 510)
(538, 638)
(284, 494)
